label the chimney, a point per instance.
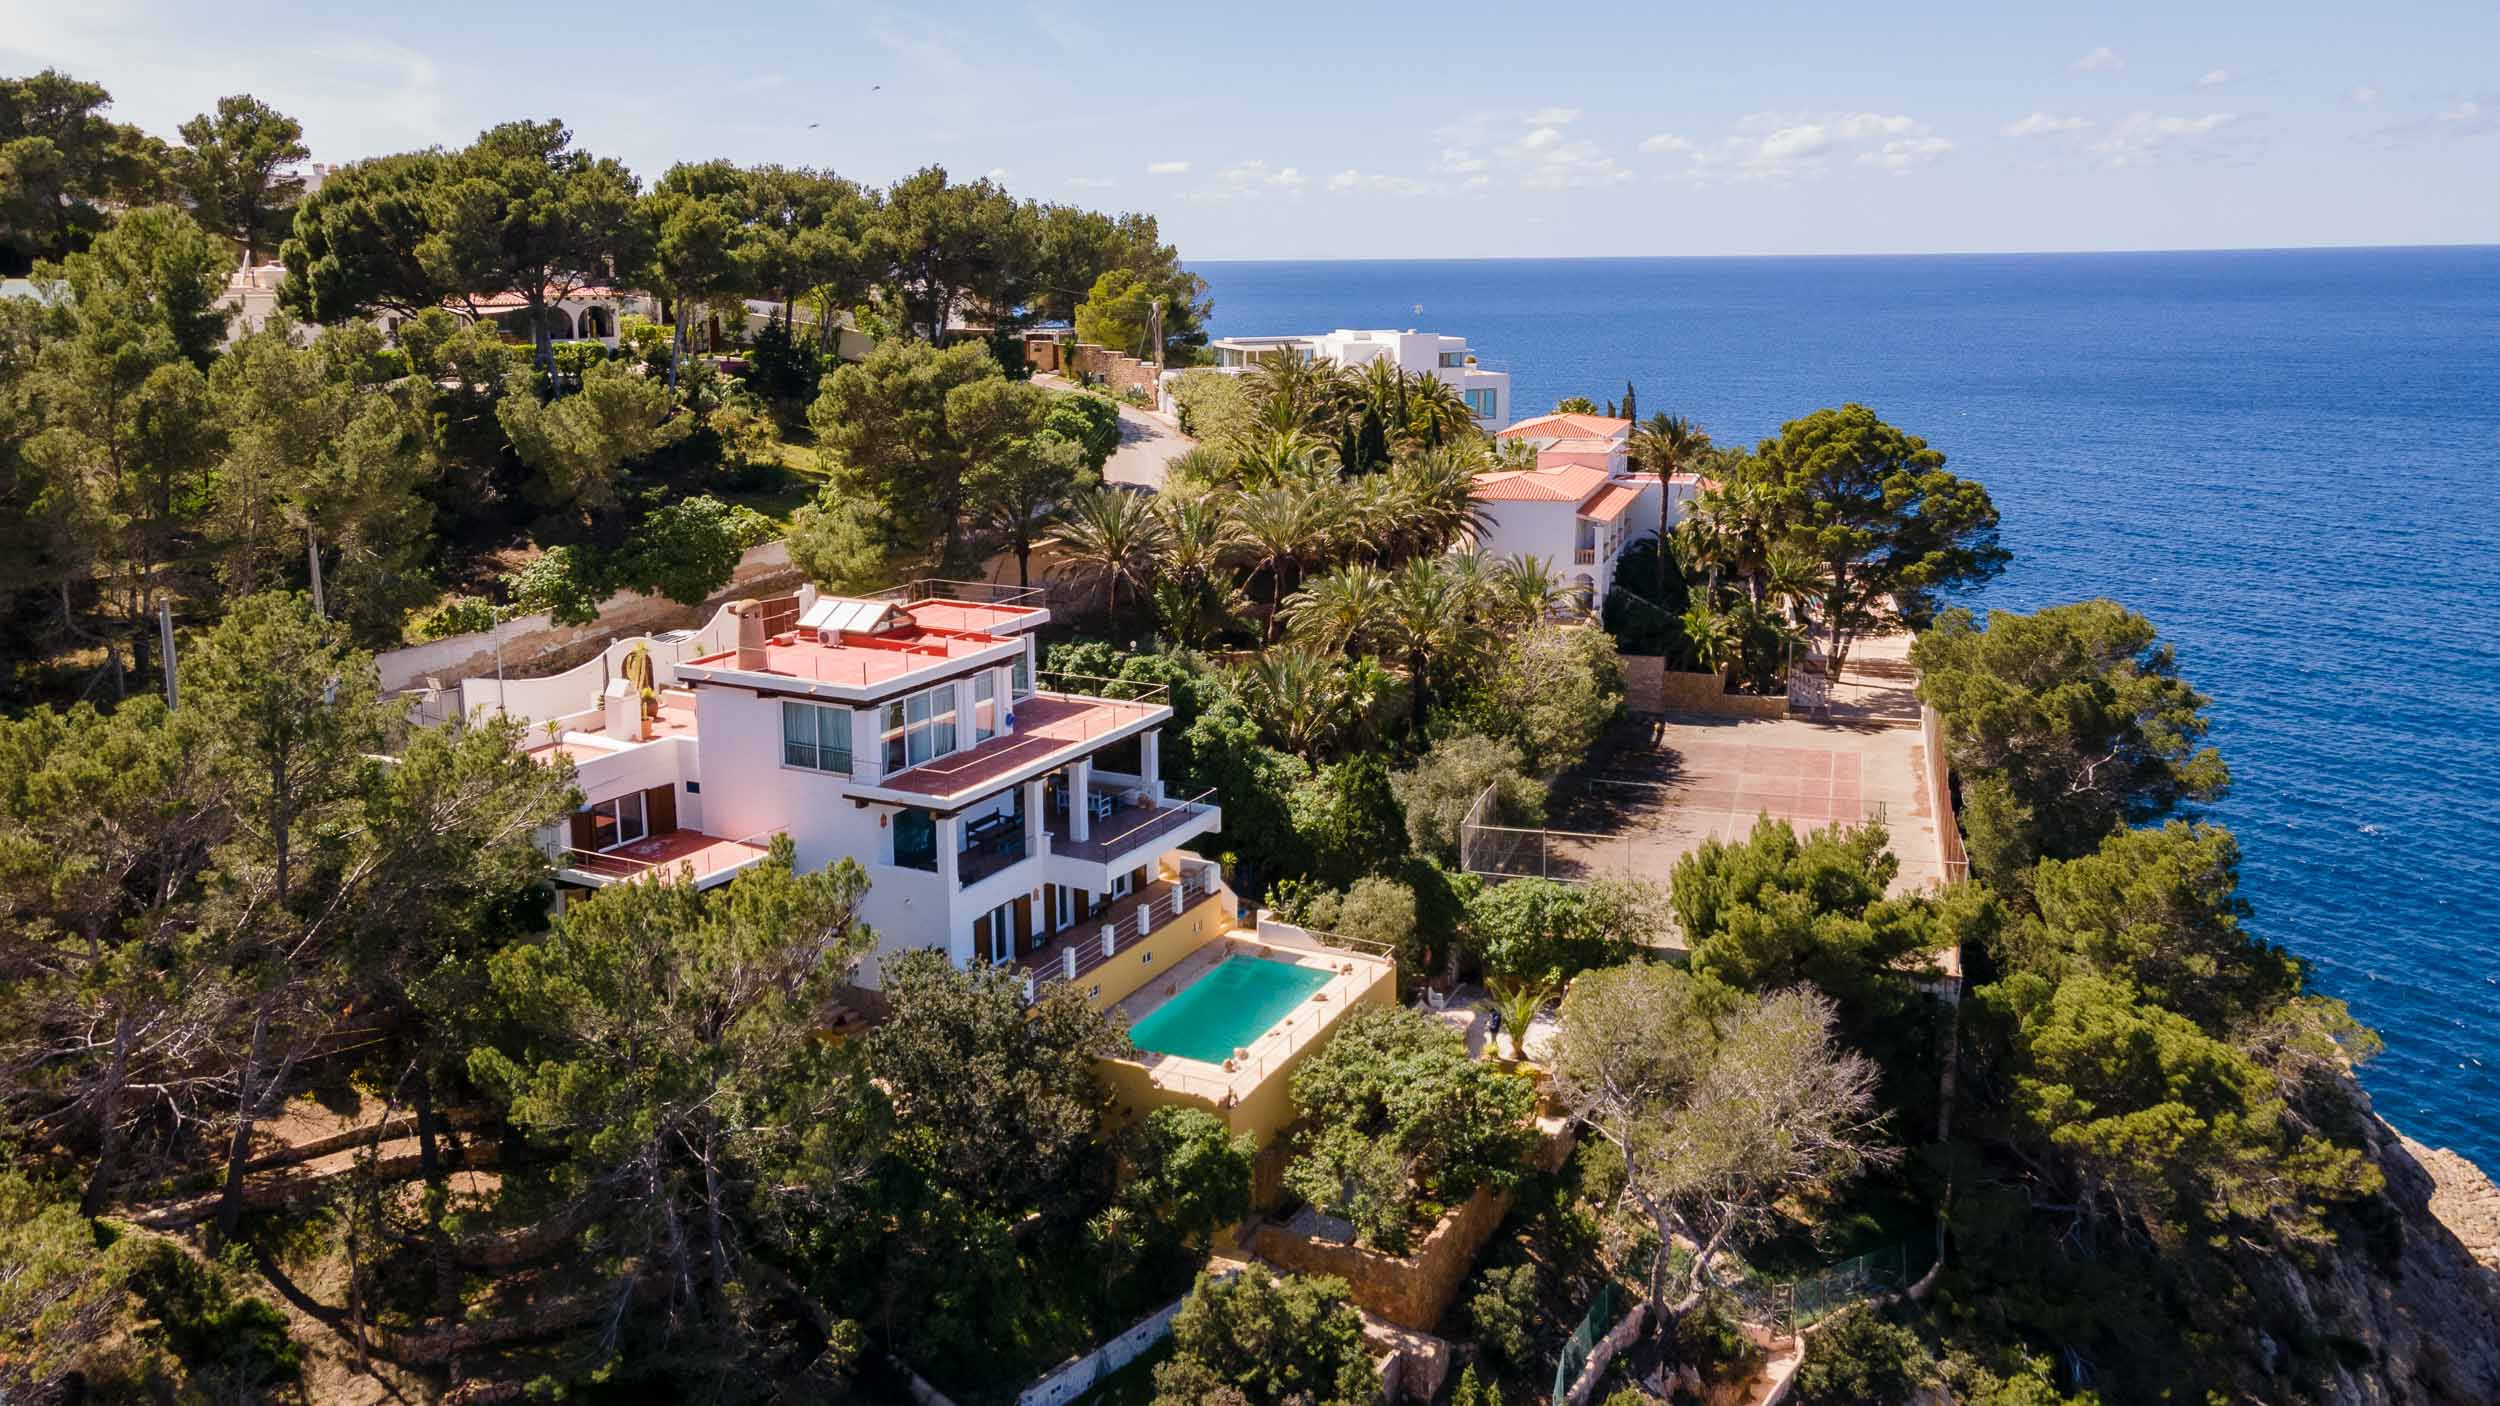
(750, 633)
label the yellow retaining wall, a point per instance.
(1158, 951)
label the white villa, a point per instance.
(1448, 359)
(1581, 505)
(903, 731)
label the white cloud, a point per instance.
(2098, 60)
(1772, 147)
(2363, 94)
(2040, 124)
(1900, 156)
(1545, 161)
(1553, 117)
(1459, 161)
(2214, 78)
(1254, 177)
(1353, 179)
(2140, 136)
(1092, 182)
(1167, 168)
(2465, 111)
(996, 175)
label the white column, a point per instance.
(1033, 803)
(1081, 799)
(950, 829)
(1150, 746)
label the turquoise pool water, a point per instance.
(1226, 1009)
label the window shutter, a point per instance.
(585, 833)
(659, 808)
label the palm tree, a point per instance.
(1524, 590)
(1279, 527)
(1426, 621)
(1664, 445)
(1194, 593)
(1291, 692)
(1711, 634)
(1110, 537)
(1515, 1006)
(1340, 610)
(1437, 493)
(1294, 391)
(1278, 457)
(1791, 578)
(1436, 414)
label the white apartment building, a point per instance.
(1448, 359)
(996, 819)
(1581, 505)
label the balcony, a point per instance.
(1090, 942)
(1132, 820)
(1584, 556)
(1051, 730)
(708, 859)
(991, 607)
(987, 854)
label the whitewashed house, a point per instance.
(1582, 504)
(1444, 358)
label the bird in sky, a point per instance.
(812, 126)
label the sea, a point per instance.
(2288, 459)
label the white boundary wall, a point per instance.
(1077, 1378)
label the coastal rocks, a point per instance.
(2404, 1310)
(2464, 1199)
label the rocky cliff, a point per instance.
(2405, 1310)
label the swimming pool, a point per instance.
(1233, 1004)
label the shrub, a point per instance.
(1358, 1179)
(565, 582)
(1400, 1082)
(1438, 793)
(1712, 1341)
(1553, 692)
(1862, 1356)
(1503, 1313)
(782, 367)
(1191, 1177)
(1091, 422)
(688, 549)
(1269, 1339)
(1545, 933)
(457, 615)
(1215, 407)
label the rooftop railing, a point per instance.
(968, 592)
(1097, 686)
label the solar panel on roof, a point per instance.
(847, 615)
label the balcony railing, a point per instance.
(1129, 826)
(1088, 944)
(1584, 556)
(1096, 686)
(968, 592)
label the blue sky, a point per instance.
(1371, 130)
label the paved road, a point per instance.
(1148, 441)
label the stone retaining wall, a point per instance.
(1708, 695)
(1411, 1290)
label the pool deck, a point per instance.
(1352, 974)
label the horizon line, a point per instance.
(1841, 254)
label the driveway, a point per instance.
(1148, 441)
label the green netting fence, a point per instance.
(1594, 1324)
(1886, 1271)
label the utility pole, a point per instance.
(165, 634)
(1154, 323)
(312, 552)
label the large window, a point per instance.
(1453, 359)
(618, 822)
(1481, 404)
(920, 727)
(816, 737)
(985, 706)
(915, 840)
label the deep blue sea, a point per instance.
(2290, 460)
